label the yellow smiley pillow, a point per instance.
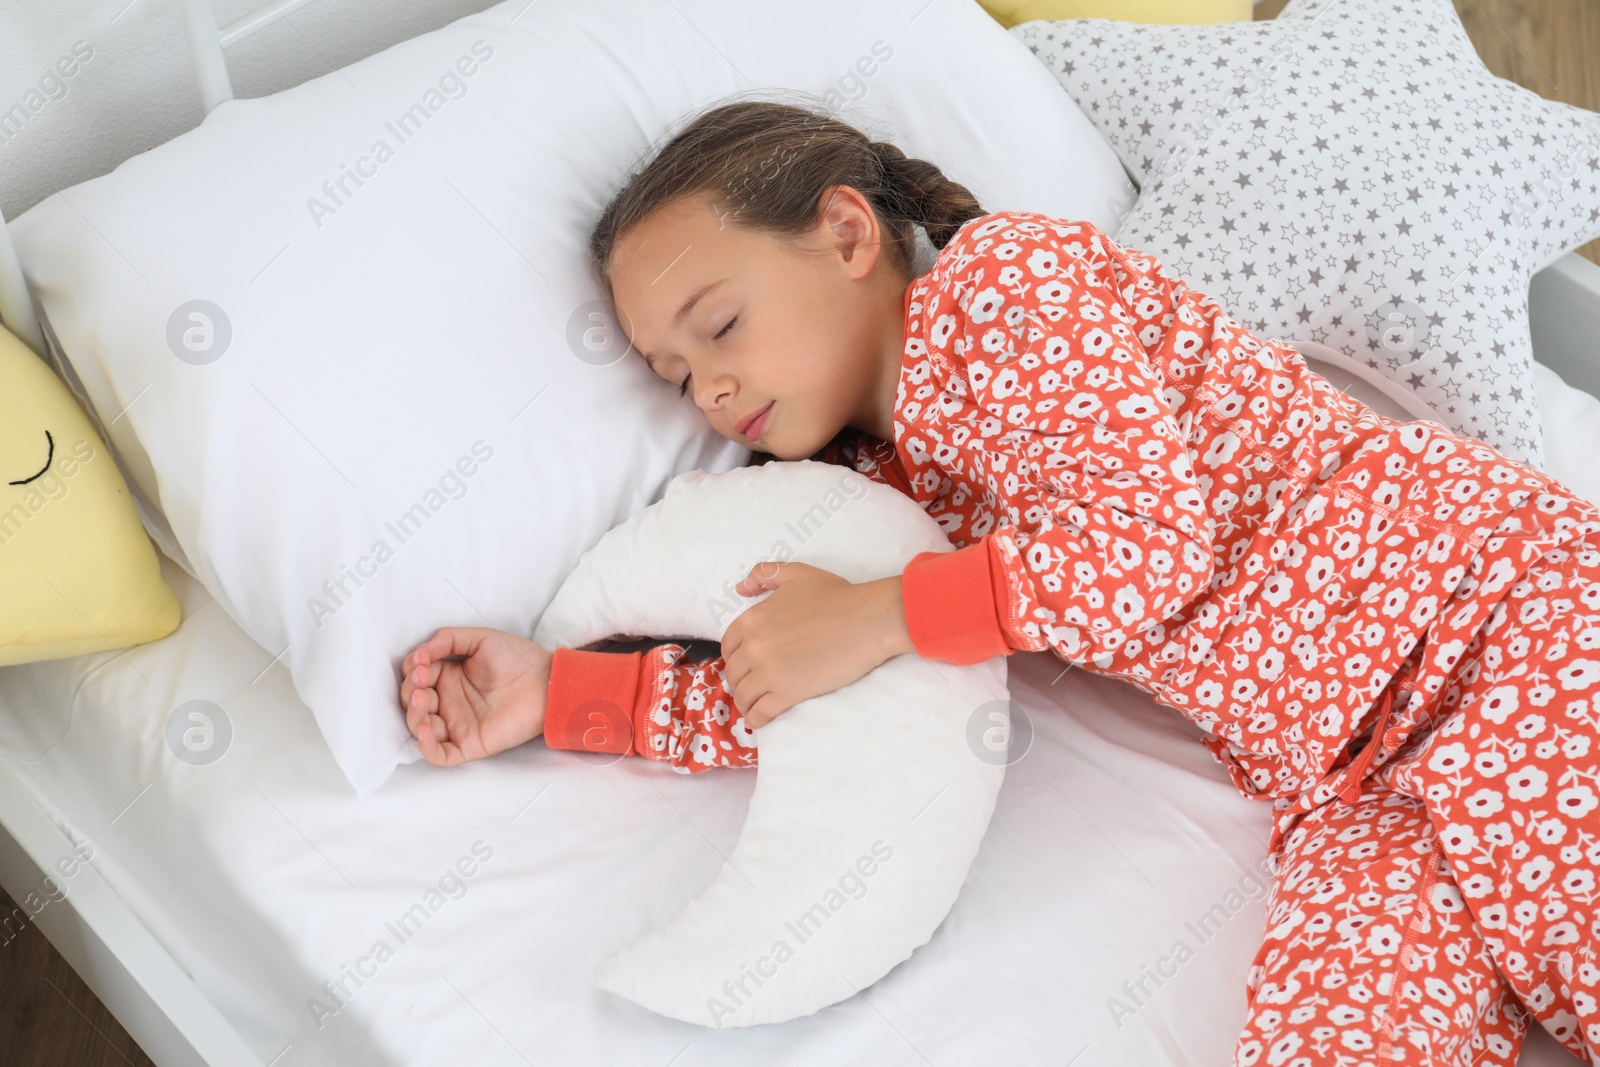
(78, 572)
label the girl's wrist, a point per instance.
(543, 662)
(887, 624)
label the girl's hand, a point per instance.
(490, 700)
(816, 633)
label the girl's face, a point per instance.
(812, 335)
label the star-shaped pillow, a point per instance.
(1350, 176)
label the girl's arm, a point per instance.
(649, 704)
(1076, 353)
(653, 704)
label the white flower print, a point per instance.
(1319, 573)
(1526, 783)
(1449, 758)
(1383, 940)
(1499, 703)
(1535, 872)
(1457, 839)
(1580, 674)
(1042, 263)
(1128, 605)
(986, 304)
(1576, 801)
(1489, 764)
(1151, 432)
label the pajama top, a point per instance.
(1134, 481)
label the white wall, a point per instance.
(137, 89)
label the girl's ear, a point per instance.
(852, 227)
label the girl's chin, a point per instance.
(764, 452)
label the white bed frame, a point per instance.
(97, 932)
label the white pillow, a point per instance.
(416, 344)
(1350, 174)
(1571, 419)
(870, 801)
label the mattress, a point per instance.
(455, 916)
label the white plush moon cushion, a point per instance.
(870, 801)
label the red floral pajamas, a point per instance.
(693, 724)
(1387, 631)
(1422, 923)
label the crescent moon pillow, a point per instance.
(847, 861)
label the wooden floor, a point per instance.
(48, 1018)
(1549, 46)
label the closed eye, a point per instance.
(687, 378)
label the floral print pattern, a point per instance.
(1455, 898)
(693, 724)
(1389, 632)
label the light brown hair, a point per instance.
(764, 166)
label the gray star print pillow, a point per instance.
(1349, 177)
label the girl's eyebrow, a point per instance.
(694, 298)
(683, 312)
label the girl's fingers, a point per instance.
(438, 749)
(416, 720)
(747, 692)
(414, 658)
(426, 674)
(451, 641)
(433, 750)
(731, 638)
(408, 686)
(760, 713)
(433, 738)
(420, 703)
(446, 641)
(735, 674)
(452, 754)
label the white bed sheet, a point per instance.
(265, 877)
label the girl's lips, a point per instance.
(752, 432)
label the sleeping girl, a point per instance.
(1389, 632)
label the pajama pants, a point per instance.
(1457, 899)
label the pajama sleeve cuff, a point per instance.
(592, 701)
(951, 603)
